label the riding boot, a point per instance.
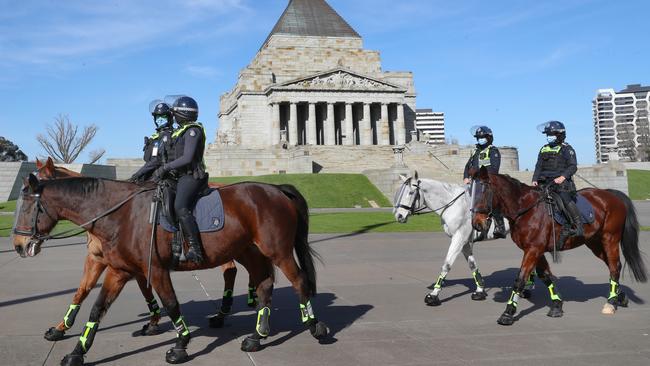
(499, 226)
(193, 237)
(574, 216)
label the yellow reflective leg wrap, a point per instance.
(439, 282)
(87, 336)
(227, 293)
(263, 315)
(251, 296)
(181, 327)
(531, 279)
(153, 307)
(68, 319)
(306, 312)
(478, 279)
(613, 289)
(514, 298)
(554, 295)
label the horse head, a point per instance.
(406, 198)
(482, 199)
(32, 220)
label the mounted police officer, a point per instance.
(486, 155)
(556, 164)
(187, 167)
(156, 147)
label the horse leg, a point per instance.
(113, 284)
(531, 257)
(162, 283)
(150, 328)
(455, 247)
(608, 252)
(229, 273)
(544, 274)
(262, 326)
(298, 279)
(92, 270)
(251, 299)
(479, 294)
(527, 292)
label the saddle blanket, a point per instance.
(208, 213)
(585, 208)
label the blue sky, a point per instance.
(508, 64)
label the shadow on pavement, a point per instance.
(285, 318)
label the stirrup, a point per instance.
(194, 255)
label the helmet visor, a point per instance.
(153, 104)
(480, 131)
(550, 128)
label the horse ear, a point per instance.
(483, 174)
(416, 175)
(39, 165)
(33, 182)
(49, 161)
(402, 178)
(49, 168)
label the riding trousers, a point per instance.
(187, 190)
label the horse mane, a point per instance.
(450, 188)
(514, 182)
(83, 186)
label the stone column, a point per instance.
(349, 126)
(275, 124)
(311, 124)
(364, 126)
(328, 126)
(400, 127)
(293, 124)
(383, 137)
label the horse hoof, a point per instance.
(72, 360)
(622, 300)
(250, 344)
(318, 330)
(479, 296)
(432, 300)
(555, 311)
(608, 309)
(216, 321)
(526, 294)
(54, 334)
(506, 319)
(176, 355)
(150, 330)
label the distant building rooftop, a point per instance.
(425, 110)
(635, 88)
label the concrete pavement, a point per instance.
(371, 292)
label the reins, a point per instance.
(443, 208)
(64, 234)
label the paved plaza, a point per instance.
(371, 291)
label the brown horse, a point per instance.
(95, 264)
(532, 229)
(274, 218)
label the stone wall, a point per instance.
(637, 165)
(236, 161)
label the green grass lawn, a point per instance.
(638, 183)
(8, 206)
(323, 190)
(7, 221)
(372, 222)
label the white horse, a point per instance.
(453, 203)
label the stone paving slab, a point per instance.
(371, 292)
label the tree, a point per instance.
(10, 151)
(63, 143)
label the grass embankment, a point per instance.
(323, 190)
(370, 222)
(7, 221)
(638, 184)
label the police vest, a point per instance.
(484, 157)
(553, 163)
(178, 145)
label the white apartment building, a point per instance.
(430, 126)
(621, 124)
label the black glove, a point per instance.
(159, 174)
(135, 178)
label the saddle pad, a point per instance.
(585, 208)
(208, 213)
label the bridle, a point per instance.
(412, 208)
(489, 211)
(39, 207)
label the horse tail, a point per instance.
(630, 239)
(304, 252)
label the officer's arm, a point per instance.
(538, 167)
(572, 162)
(148, 149)
(192, 141)
(495, 160)
(147, 168)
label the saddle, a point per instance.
(208, 211)
(560, 212)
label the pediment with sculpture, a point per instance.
(339, 80)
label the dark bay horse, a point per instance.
(274, 218)
(95, 264)
(532, 229)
